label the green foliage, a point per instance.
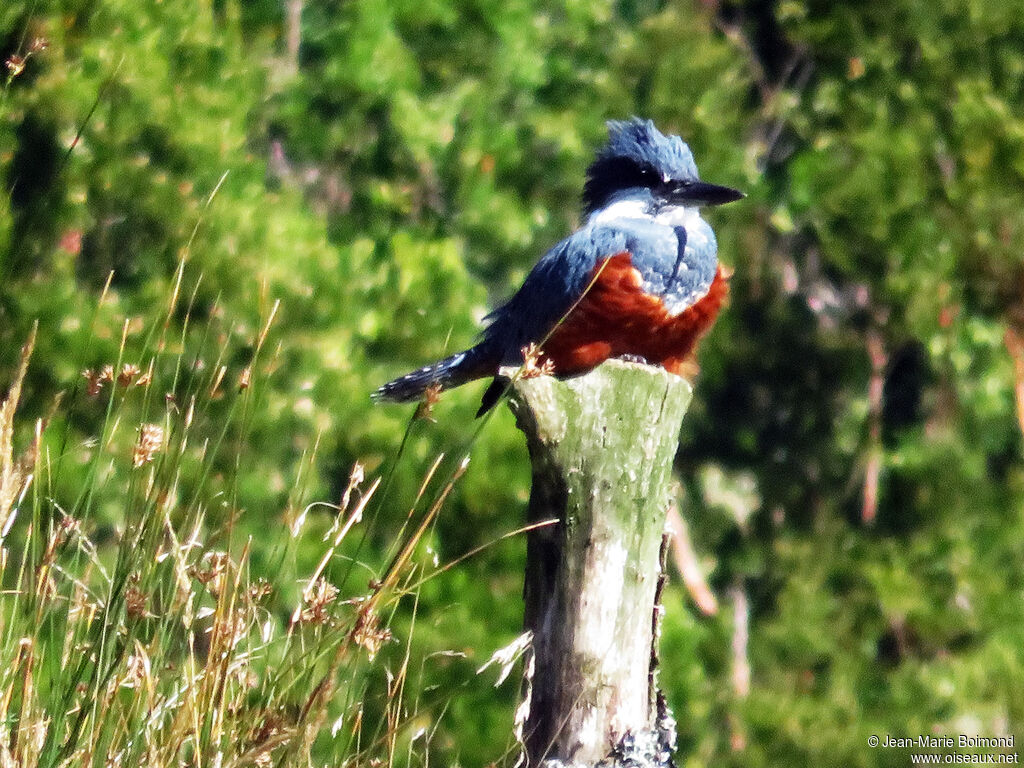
(405, 171)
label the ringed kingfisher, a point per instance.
(639, 280)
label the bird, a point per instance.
(639, 280)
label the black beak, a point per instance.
(701, 193)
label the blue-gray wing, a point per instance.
(674, 268)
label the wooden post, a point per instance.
(602, 448)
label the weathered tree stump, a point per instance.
(602, 447)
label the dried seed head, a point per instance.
(135, 602)
(93, 384)
(15, 65)
(259, 590)
(533, 366)
(317, 597)
(128, 372)
(151, 440)
(210, 570)
(369, 634)
(231, 628)
(431, 397)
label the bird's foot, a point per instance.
(640, 359)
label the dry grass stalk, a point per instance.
(688, 563)
(172, 653)
(740, 673)
(355, 516)
(15, 474)
(365, 631)
(872, 473)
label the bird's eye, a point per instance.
(649, 176)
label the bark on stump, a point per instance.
(602, 447)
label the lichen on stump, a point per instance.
(601, 447)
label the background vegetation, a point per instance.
(272, 207)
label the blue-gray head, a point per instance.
(639, 156)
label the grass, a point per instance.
(135, 628)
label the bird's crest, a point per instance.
(640, 140)
(637, 154)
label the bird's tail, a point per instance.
(450, 372)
